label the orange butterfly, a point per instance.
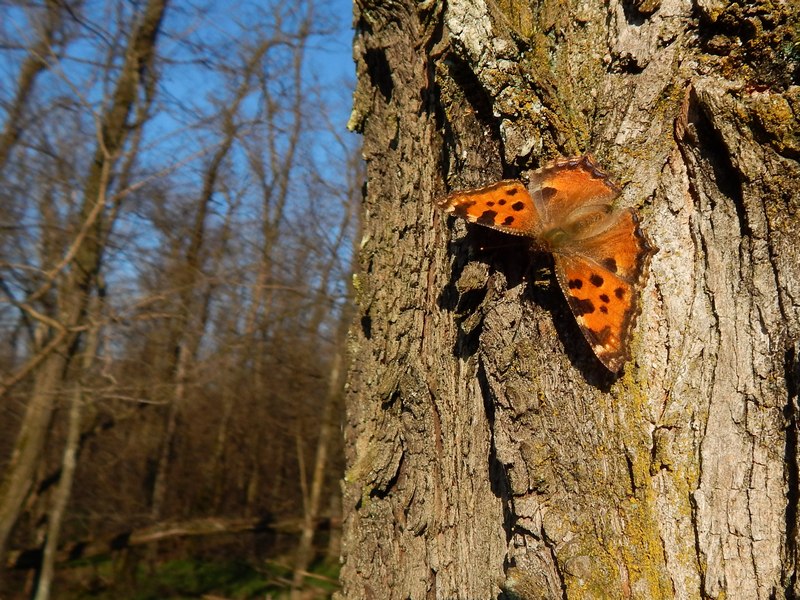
(601, 255)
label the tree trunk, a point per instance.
(69, 459)
(61, 497)
(488, 451)
(49, 30)
(193, 306)
(304, 554)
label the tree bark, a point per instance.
(488, 451)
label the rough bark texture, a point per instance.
(490, 455)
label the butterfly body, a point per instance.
(600, 254)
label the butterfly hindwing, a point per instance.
(622, 247)
(604, 304)
(601, 277)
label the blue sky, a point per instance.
(189, 87)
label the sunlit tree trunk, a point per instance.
(488, 451)
(69, 461)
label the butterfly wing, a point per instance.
(601, 277)
(565, 189)
(505, 205)
(621, 247)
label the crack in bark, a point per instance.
(698, 551)
(685, 140)
(556, 566)
(498, 477)
(792, 462)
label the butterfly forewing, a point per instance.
(569, 185)
(505, 205)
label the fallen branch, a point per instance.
(31, 558)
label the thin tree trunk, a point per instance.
(487, 449)
(69, 463)
(305, 554)
(160, 480)
(61, 497)
(252, 495)
(334, 548)
(188, 332)
(35, 63)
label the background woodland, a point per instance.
(178, 204)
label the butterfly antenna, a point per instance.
(489, 247)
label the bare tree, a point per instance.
(283, 120)
(60, 334)
(49, 28)
(489, 453)
(313, 486)
(192, 311)
(69, 461)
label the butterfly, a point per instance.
(600, 253)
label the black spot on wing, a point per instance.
(511, 191)
(518, 206)
(604, 310)
(604, 298)
(487, 217)
(596, 280)
(502, 202)
(582, 306)
(462, 209)
(508, 221)
(575, 284)
(619, 293)
(548, 192)
(610, 264)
